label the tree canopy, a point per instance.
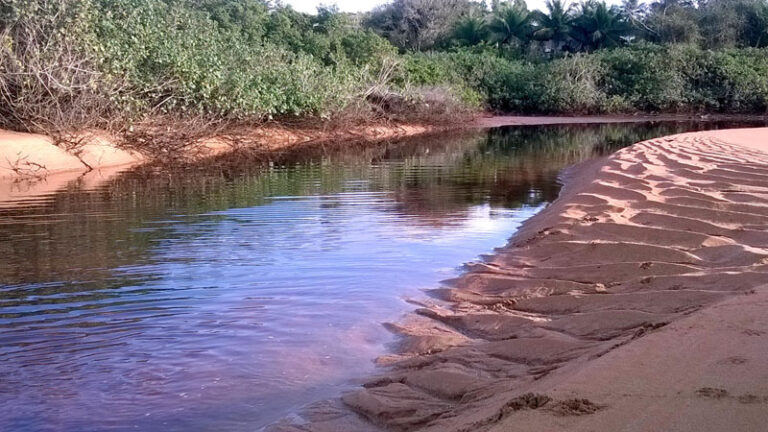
(570, 26)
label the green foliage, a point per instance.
(470, 30)
(90, 63)
(727, 81)
(555, 25)
(177, 58)
(511, 24)
(211, 57)
(249, 17)
(647, 77)
(638, 78)
(598, 26)
(572, 85)
(366, 48)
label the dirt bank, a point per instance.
(24, 155)
(32, 165)
(636, 302)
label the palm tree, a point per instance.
(555, 24)
(470, 30)
(597, 26)
(511, 24)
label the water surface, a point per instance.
(226, 297)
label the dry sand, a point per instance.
(32, 155)
(31, 165)
(636, 302)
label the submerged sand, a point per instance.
(636, 302)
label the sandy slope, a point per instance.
(636, 302)
(31, 165)
(33, 155)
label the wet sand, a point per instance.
(635, 302)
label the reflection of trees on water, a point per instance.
(510, 167)
(78, 235)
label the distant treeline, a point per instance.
(115, 64)
(574, 26)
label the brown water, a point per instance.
(227, 297)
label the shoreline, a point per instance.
(34, 156)
(525, 120)
(32, 165)
(634, 302)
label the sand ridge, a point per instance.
(642, 258)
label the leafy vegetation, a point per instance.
(117, 64)
(573, 26)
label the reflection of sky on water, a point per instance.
(241, 308)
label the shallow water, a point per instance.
(227, 297)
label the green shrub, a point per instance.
(736, 80)
(366, 48)
(152, 56)
(648, 77)
(48, 74)
(571, 85)
(67, 64)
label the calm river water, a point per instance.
(226, 298)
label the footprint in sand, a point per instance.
(750, 332)
(732, 361)
(711, 393)
(751, 399)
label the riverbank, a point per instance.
(634, 302)
(35, 156)
(24, 155)
(27, 159)
(33, 164)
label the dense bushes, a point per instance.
(99, 63)
(643, 77)
(180, 59)
(73, 64)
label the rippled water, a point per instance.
(225, 298)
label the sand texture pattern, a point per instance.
(638, 301)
